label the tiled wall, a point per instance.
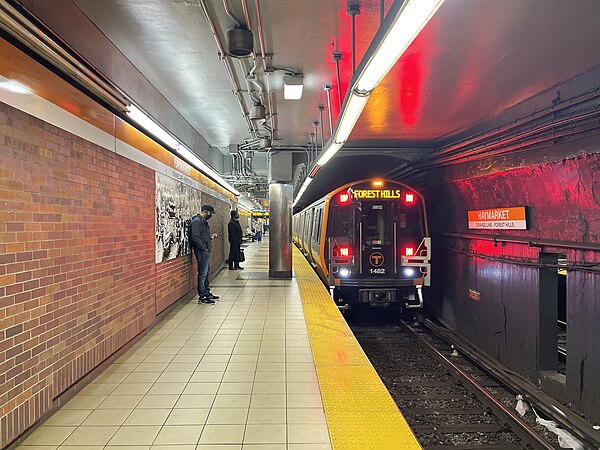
(77, 273)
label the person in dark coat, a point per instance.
(200, 238)
(235, 241)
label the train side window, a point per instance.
(317, 225)
(308, 229)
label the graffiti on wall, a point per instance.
(175, 202)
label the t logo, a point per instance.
(376, 259)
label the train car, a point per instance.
(369, 243)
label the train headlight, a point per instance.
(344, 272)
(409, 272)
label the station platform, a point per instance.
(272, 365)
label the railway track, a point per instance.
(449, 402)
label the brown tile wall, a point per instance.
(77, 273)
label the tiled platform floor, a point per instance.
(235, 375)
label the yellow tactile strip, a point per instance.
(360, 411)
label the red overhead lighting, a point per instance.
(344, 198)
(409, 197)
(409, 251)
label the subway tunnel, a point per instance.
(120, 119)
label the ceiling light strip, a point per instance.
(404, 22)
(167, 140)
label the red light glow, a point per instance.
(409, 197)
(345, 251)
(344, 198)
(409, 251)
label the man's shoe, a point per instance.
(233, 268)
(239, 268)
(206, 301)
(212, 296)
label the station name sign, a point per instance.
(360, 194)
(498, 219)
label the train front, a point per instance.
(378, 247)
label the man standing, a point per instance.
(235, 241)
(200, 238)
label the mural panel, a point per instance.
(175, 203)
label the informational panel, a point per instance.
(498, 219)
(175, 203)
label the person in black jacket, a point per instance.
(200, 238)
(235, 241)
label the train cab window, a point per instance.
(375, 218)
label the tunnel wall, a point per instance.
(563, 200)
(78, 278)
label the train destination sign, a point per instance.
(376, 193)
(498, 219)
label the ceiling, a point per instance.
(474, 60)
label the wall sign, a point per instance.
(474, 295)
(498, 219)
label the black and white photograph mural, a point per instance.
(175, 202)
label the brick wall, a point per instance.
(77, 273)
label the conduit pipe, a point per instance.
(228, 69)
(475, 150)
(238, 23)
(264, 62)
(16, 25)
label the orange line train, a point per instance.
(369, 243)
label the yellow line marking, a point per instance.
(359, 410)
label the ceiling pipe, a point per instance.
(327, 88)
(228, 69)
(18, 26)
(353, 10)
(264, 63)
(238, 23)
(321, 108)
(337, 57)
(316, 123)
(251, 94)
(252, 75)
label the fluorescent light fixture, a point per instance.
(330, 150)
(15, 87)
(408, 22)
(143, 120)
(203, 167)
(301, 191)
(411, 19)
(350, 115)
(148, 124)
(244, 208)
(292, 87)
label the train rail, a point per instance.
(449, 401)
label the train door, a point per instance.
(377, 240)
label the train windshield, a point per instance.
(342, 221)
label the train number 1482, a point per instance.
(377, 271)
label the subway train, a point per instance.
(369, 243)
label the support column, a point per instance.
(280, 215)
